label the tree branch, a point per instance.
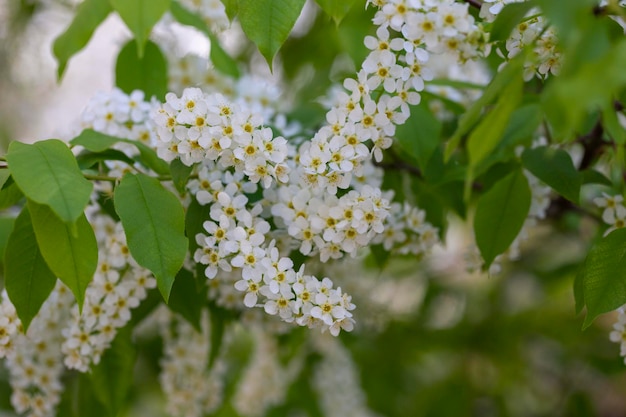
(474, 3)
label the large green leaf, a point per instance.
(148, 73)
(70, 250)
(336, 9)
(420, 135)
(98, 142)
(604, 276)
(267, 23)
(140, 16)
(500, 215)
(6, 228)
(88, 17)
(154, 222)
(27, 278)
(555, 168)
(113, 376)
(222, 61)
(47, 173)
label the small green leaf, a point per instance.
(27, 278)
(180, 174)
(267, 23)
(380, 255)
(47, 173)
(501, 80)
(140, 16)
(89, 15)
(194, 218)
(522, 124)
(222, 61)
(555, 168)
(604, 276)
(612, 125)
(420, 135)
(579, 296)
(336, 9)
(10, 195)
(6, 228)
(70, 250)
(154, 222)
(112, 378)
(591, 176)
(186, 300)
(508, 18)
(98, 142)
(148, 73)
(500, 215)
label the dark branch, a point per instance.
(474, 3)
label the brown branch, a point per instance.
(474, 3)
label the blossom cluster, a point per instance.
(119, 285)
(34, 358)
(613, 213)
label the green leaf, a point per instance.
(522, 124)
(112, 378)
(186, 300)
(10, 195)
(140, 16)
(232, 8)
(6, 228)
(591, 176)
(555, 168)
(508, 18)
(154, 222)
(380, 255)
(180, 174)
(70, 250)
(336, 9)
(98, 142)
(194, 219)
(47, 173)
(500, 215)
(222, 61)
(148, 73)
(513, 70)
(489, 132)
(27, 278)
(420, 135)
(604, 276)
(579, 296)
(267, 23)
(5, 174)
(89, 15)
(612, 125)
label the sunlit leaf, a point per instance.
(140, 16)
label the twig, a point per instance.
(474, 3)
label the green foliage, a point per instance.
(222, 61)
(27, 278)
(154, 223)
(147, 73)
(267, 23)
(70, 249)
(556, 169)
(48, 173)
(112, 378)
(604, 276)
(336, 9)
(508, 18)
(500, 214)
(140, 16)
(88, 17)
(186, 300)
(420, 135)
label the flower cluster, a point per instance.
(618, 335)
(613, 213)
(34, 359)
(118, 285)
(190, 388)
(197, 127)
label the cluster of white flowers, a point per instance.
(265, 381)
(533, 30)
(118, 285)
(613, 213)
(618, 335)
(197, 127)
(336, 381)
(212, 12)
(34, 359)
(119, 114)
(191, 389)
